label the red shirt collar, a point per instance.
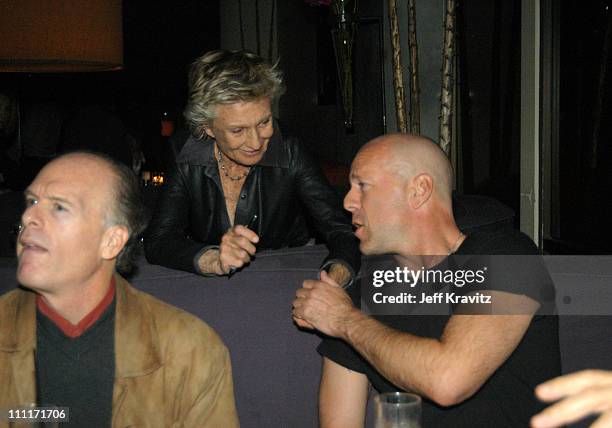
(69, 329)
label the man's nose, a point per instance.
(350, 201)
(31, 216)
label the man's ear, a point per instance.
(115, 238)
(420, 190)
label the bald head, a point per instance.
(89, 168)
(410, 155)
(94, 173)
(117, 186)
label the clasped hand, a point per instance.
(236, 249)
(322, 305)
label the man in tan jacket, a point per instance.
(79, 336)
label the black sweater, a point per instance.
(77, 373)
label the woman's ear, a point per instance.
(209, 132)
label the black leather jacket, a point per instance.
(281, 189)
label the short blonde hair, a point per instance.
(227, 77)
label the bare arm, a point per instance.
(447, 370)
(343, 395)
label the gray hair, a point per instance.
(129, 210)
(227, 77)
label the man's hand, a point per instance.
(235, 251)
(323, 305)
(581, 394)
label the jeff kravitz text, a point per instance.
(435, 298)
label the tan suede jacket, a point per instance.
(171, 369)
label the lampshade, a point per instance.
(60, 35)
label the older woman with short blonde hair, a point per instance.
(239, 185)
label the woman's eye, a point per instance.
(236, 130)
(265, 122)
(58, 207)
(30, 201)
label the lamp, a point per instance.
(39, 36)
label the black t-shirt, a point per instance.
(506, 398)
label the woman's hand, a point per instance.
(236, 248)
(235, 251)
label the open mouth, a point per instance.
(29, 245)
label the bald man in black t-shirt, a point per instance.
(473, 366)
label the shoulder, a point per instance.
(13, 299)
(195, 151)
(504, 241)
(10, 298)
(177, 329)
(513, 264)
(283, 152)
(17, 318)
(298, 153)
(8, 302)
(301, 158)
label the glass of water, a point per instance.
(398, 410)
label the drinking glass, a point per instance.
(398, 410)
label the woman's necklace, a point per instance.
(226, 173)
